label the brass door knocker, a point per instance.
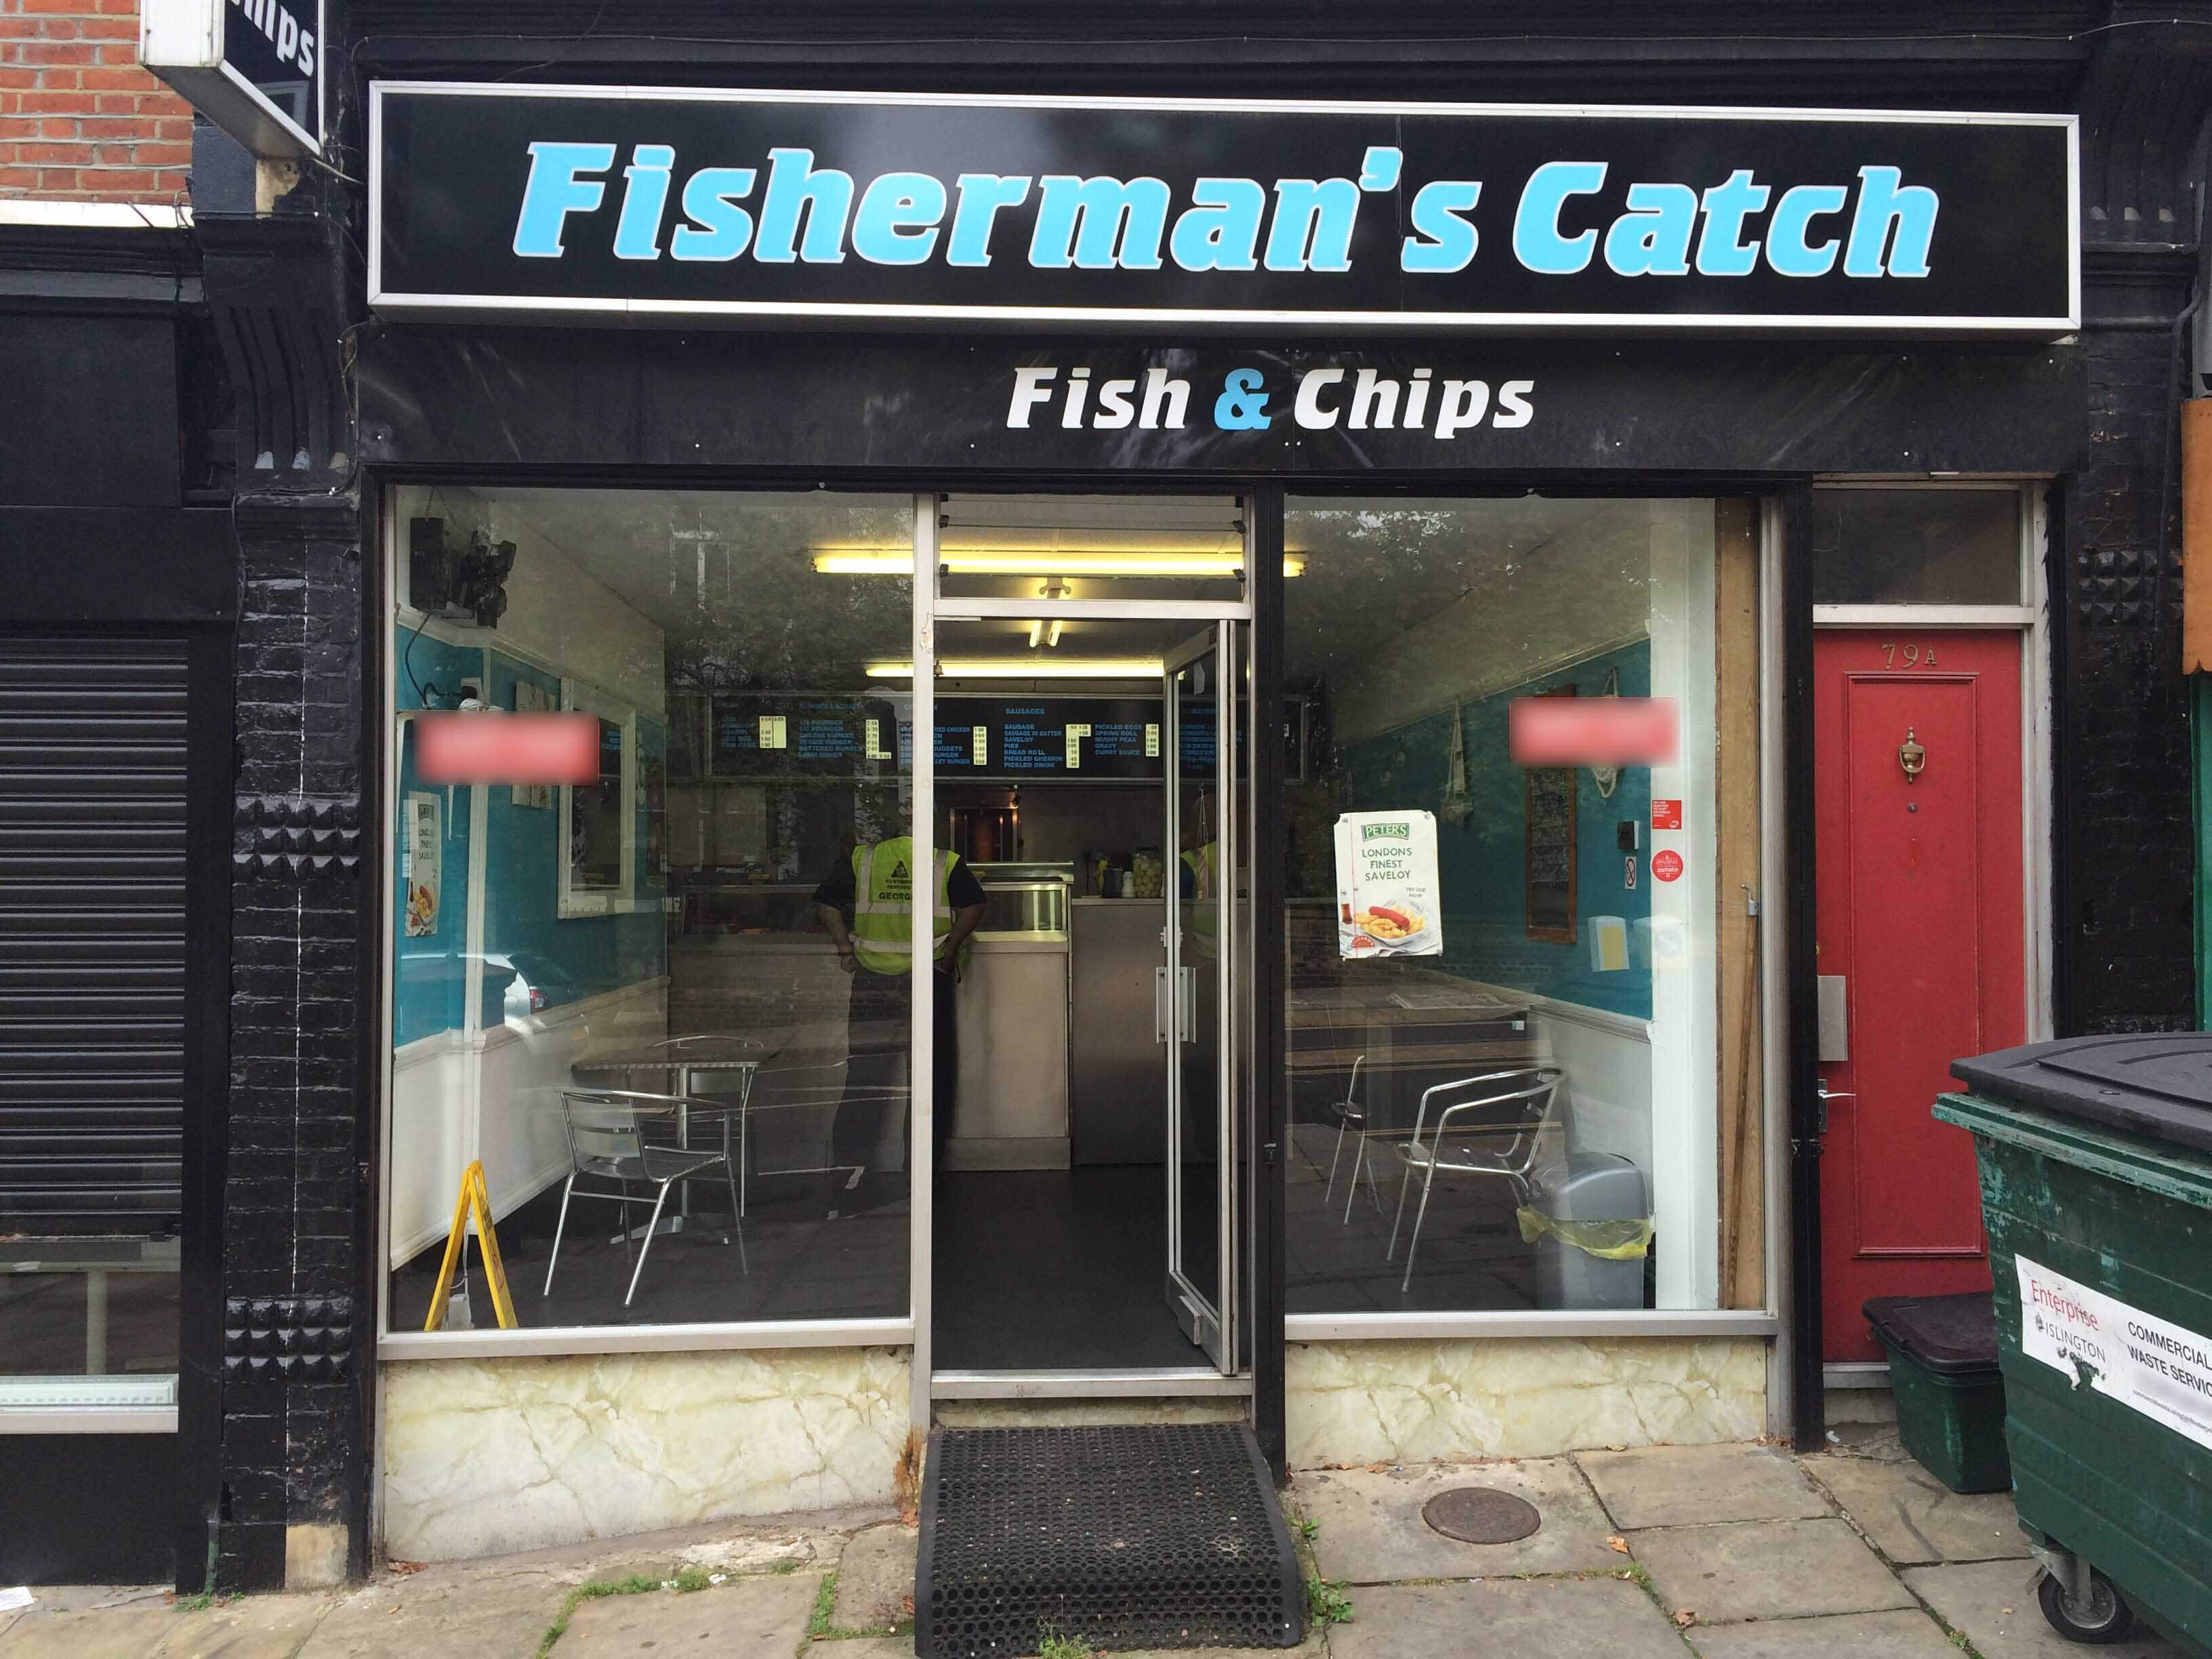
(1910, 757)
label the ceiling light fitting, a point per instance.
(1025, 668)
(1041, 562)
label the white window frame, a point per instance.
(578, 696)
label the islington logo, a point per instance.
(662, 201)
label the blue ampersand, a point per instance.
(1243, 405)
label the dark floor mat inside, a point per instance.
(1153, 1536)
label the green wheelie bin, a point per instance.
(2095, 1156)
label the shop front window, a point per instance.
(1504, 887)
(615, 996)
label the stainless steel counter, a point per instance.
(1012, 1109)
(1118, 1094)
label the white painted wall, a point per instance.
(496, 1096)
(1684, 1011)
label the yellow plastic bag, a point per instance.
(1609, 1241)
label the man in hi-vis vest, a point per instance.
(875, 887)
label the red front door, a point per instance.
(1922, 918)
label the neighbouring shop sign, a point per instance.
(676, 205)
(252, 67)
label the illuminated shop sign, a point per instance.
(252, 67)
(678, 204)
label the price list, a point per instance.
(766, 735)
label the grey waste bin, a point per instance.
(1590, 1221)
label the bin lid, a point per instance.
(2154, 1084)
(1946, 1334)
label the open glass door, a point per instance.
(1196, 989)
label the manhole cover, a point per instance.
(1481, 1514)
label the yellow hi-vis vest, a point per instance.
(883, 904)
(1205, 923)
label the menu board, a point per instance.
(761, 734)
(764, 735)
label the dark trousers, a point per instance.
(879, 1034)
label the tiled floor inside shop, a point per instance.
(803, 1258)
(1339, 1256)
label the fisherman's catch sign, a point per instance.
(676, 204)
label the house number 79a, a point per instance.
(1914, 656)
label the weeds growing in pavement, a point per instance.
(1326, 1603)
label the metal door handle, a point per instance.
(1824, 1095)
(1159, 1004)
(1190, 1004)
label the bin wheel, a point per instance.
(2100, 1617)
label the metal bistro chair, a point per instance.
(1351, 1113)
(1534, 1090)
(606, 1138)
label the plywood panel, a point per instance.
(1741, 1096)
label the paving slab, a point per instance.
(1691, 1485)
(875, 1579)
(251, 1627)
(1540, 1617)
(1898, 1635)
(763, 1618)
(1766, 1570)
(107, 1633)
(1371, 1531)
(1916, 1520)
(1992, 1604)
(482, 1615)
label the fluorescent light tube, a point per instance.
(1025, 668)
(1042, 562)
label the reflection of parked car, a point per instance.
(535, 984)
(523, 983)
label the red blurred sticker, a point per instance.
(1593, 731)
(1666, 815)
(491, 747)
(1667, 865)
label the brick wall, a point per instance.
(79, 120)
(295, 1187)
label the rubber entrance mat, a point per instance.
(1154, 1536)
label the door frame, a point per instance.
(1218, 641)
(1261, 513)
(2031, 621)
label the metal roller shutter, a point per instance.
(92, 934)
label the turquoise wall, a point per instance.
(429, 973)
(1480, 863)
(580, 956)
(568, 960)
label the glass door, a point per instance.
(1196, 987)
